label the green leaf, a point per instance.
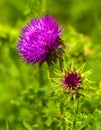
(86, 73)
(27, 125)
(80, 69)
(97, 114)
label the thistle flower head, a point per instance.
(39, 40)
(71, 80)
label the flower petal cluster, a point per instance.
(71, 80)
(39, 40)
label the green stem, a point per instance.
(61, 64)
(62, 121)
(7, 127)
(41, 77)
(76, 112)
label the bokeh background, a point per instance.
(20, 83)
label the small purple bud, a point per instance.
(71, 80)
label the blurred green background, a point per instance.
(20, 83)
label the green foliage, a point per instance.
(32, 98)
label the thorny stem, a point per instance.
(76, 112)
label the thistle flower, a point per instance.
(40, 41)
(71, 80)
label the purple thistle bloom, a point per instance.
(71, 80)
(40, 41)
